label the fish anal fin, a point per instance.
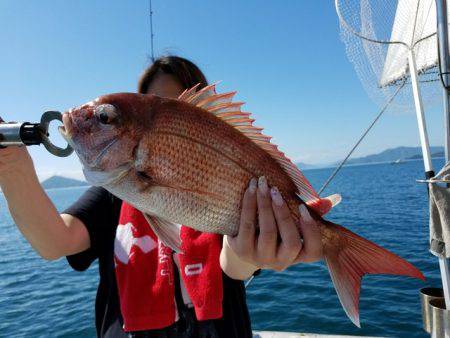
(349, 257)
(167, 232)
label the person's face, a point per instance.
(165, 85)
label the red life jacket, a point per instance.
(145, 276)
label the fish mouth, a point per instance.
(64, 130)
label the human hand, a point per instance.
(279, 242)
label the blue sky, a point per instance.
(284, 58)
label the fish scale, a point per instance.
(209, 185)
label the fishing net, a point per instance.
(378, 35)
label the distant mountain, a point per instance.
(62, 182)
(390, 155)
(433, 155)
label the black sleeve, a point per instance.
(99, 212)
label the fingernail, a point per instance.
(276, 196)
(304, 213)
(252, 185)
(262, 185)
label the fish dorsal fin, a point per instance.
(222, 106)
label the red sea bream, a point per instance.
(189, 161)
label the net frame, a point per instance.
(360, 22)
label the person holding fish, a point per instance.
(151, 283)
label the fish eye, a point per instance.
(106, 113)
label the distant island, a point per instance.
(388, 155)
(62, 182)
(433, 155)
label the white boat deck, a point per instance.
(276, 334)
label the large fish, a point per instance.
(189, 161)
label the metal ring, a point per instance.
(46, 118)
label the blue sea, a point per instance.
(381, 202)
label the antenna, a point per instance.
(151, 32)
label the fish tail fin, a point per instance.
(349, 257)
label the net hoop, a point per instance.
(386, 42)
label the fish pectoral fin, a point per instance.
(349, 257)
(167, 232)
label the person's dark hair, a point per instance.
(186, 72)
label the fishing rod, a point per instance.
(27, 134)
(151, 32)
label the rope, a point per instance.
(327, 182)
(339, 167)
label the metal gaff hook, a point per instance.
(46, 118)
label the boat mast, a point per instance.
(444, 64)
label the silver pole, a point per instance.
(443, 263)
(442, 31)
(419, 114)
